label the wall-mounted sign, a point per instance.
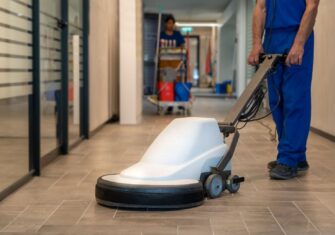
(186, 30)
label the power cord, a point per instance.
(273, 136)
(252, 108)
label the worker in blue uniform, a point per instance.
(169, 37)
(288, 27)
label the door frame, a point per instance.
(197, 37)
(64, 132)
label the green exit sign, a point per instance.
(186, 30)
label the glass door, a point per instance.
(16, 76)
(75, 73)
(50, 75)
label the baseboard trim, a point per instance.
(323, 134)
(113, 119)
(76, 143)
(50, 157)
(53, 155)
(15, 186)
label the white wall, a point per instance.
(250, 9)
(114, 59)
(103, 56)
(227, 51)
(241, 34)
(323, 111)
(131, 61)
(228, 13)
(231, 29)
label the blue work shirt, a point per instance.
(174, 40)
(284, 13)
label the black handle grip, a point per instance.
(263, 56)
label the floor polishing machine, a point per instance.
(189, 160)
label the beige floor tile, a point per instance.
(194, 230)
(293, 221)
(62, 200)
(30, 220)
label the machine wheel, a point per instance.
(214, 186)
(232, 187)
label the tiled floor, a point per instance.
(62, 200)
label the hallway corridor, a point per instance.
(61, 201)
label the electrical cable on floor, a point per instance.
(273, 136)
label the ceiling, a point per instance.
(188, 10)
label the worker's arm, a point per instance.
(306, 28)
(257, 32)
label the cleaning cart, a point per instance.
(173, 91)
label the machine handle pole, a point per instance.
(229, 155)
(268, 63)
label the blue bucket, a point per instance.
(221, 88)
(218, 88)
(182, 91)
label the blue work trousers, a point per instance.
(290, 95)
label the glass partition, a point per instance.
(41, 109)
(75, 82)
(15, 89)
(50, 74)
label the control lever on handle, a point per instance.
(263, 56)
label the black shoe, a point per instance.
(169, 111)
(283, 172)
(302, 166)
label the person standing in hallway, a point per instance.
(288, 27)
(171, 38)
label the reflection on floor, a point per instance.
(13, 140)
(13, 160)
(49, 140)
(62, 200)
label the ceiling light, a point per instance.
(197, 24)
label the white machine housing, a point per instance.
(185, 149)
